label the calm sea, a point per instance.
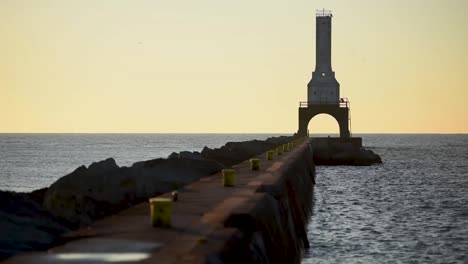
(411, 209)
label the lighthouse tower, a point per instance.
(323, 90)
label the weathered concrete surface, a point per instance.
(341, 115)
(253, 222)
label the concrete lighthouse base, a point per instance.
(337, 111)
(342, 151)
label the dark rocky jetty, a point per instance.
(104, 188)
(261, 219)
(36, 220)
(234, 152)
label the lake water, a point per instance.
(411, 209)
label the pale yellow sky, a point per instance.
(228, 66)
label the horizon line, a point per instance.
(240, 133)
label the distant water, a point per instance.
(411, 209)
(33, 161)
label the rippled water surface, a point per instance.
(411, 209)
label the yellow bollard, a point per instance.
(270, 155)
(229, 176)
(255, 164)
(279, 150)
(175, 196)
(161, 210)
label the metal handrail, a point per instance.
(344, 102)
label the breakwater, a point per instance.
(36, 220)
(266, 198)
(260, 219)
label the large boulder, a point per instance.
(88, 193)
(25, 225)
(367, 157)
(186, 155)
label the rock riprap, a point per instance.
(25, 225)
(234, 152)
(34, 221)
(104, 188)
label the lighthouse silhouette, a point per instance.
(323, 90)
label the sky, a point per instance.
(211, 66)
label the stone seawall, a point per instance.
(261, 219)
(270, 222)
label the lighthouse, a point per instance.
(323, 88)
